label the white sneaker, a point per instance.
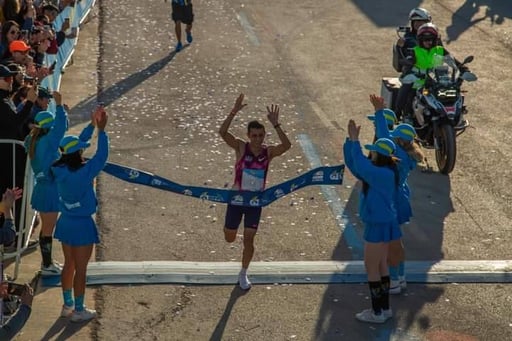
(244, 282)
(51, 270)
(66, 311)
(403, 282)
(84, 315)
(394, 287)
(369, 316)
(387, 313)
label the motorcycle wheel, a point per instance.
(446, 150)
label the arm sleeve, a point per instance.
(7, 232)
(86, 134)
(381, 125)
(59, 128)
(347, 155)
(98, 161)
(15, 323)
(24, 113)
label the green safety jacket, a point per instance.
(427, 59)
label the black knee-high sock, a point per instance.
(45, 243)
(385, 292)
(376, 294)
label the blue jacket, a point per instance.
(47, 147)
(405, 166)
(76, 189)
(378, 204)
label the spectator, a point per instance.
(51, 11)
(7, 230)
(13, 326)
(19, 52)
(10, 128)
(10, 32)
(7, 236)
(12, 10)
(20, 55)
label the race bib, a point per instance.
(253, 180)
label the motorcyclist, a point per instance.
(404, 45)
(423, 57)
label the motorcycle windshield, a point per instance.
(445, 70)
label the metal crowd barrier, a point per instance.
(27, 217)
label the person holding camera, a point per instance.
(17, 321)
(7, 229)
(7, 236)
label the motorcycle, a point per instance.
(438, 107)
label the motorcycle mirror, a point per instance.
(469, 76)
(468, 59)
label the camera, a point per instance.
(15, 289)
(403, 29)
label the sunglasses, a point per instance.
(14, 32)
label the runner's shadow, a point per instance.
(82, 111)
(236, 293)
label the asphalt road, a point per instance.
(319, 60)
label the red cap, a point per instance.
(18, 46)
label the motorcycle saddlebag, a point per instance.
(389, 90)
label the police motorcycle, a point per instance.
(438, 106)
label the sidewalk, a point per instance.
(78, 83)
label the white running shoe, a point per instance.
(66, 311)
(244, 282)
(403, 282)
(368, 315)
(51, 270)
(394, 287)
(84, 315)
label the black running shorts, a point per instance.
(182, 14)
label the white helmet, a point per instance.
(419, 14)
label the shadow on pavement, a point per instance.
(107, 96)
(236, 293)
(463, 18)
(387, 13)
(423, 239)
(62, 329)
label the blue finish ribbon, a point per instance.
(327, 175)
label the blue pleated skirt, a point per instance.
(381, 232)
(76, 231)
(45, 197)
